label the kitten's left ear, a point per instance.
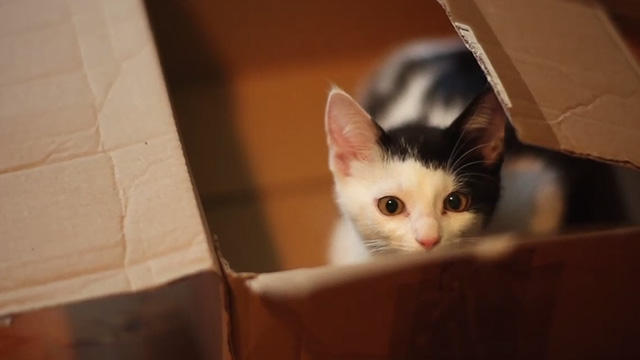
(351, 134)
(481, 127)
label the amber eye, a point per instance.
(456, 202)
(390, 205)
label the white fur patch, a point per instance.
(409, 106)
(421, 49)
(531, 200)
(346, 247)
(443, 116)
(421, 189)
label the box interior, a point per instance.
(231, 83)
(253, 88)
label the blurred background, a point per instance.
(248, 81)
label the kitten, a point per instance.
(432, 161)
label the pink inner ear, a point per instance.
(351, 132)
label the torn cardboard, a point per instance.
(94, 190)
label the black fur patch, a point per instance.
(459, 80)
(435, 147)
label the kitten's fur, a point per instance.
(438, 128)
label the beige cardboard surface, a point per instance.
(95, 197)
(564, 73)
(562, 298)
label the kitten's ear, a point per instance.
(481, 127)
(351, 134)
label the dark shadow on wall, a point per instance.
(182, 320)
(201, 100)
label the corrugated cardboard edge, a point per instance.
(469, 21)
(264, 310)
(480, 304)
(227, 277)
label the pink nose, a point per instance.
(428, 243)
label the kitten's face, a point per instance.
(415, 187)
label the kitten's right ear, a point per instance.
(351, 134)
(481, 127)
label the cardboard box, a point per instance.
(95, 196)
(96, 200)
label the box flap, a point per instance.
(95, 196)
(562, 70)
(571, 297)
(625, 12)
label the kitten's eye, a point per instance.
(390, 205)
(456, 202)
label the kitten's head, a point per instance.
(414, 187)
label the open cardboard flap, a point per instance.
(95, 195)
(568, 82)
(562, 70)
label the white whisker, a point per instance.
(467, 153)
(473, 163)
(455, 150)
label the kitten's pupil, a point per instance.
(392, 206)
(454, 201)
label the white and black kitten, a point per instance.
(431, 160)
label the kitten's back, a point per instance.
(429, 82)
